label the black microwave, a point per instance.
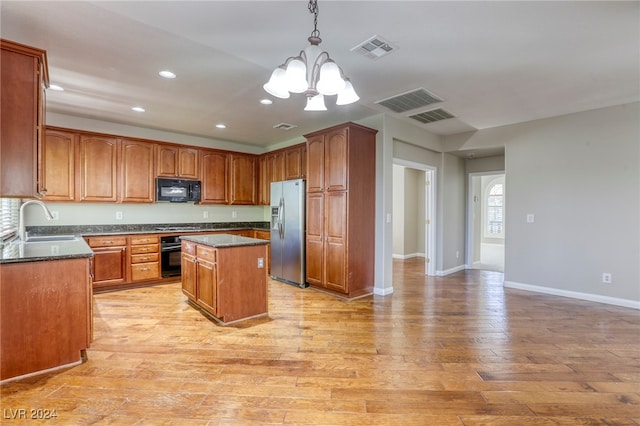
(177, 190)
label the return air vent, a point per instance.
(374, 48)
(284, 126)
(432, 116)
(411, 100)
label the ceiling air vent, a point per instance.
(432, 116)
(419, 98)
(374, 48)
(284, 126)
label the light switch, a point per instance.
(531, 218)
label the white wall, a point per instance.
(579, 174)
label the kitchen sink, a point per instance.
(50, 238)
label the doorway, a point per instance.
(485, 221)
(414, 208)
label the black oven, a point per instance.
(170, 253)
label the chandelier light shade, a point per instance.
(313, 73)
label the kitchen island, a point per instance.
(225, 276)
(45, 306)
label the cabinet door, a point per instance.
(58, 166)
(264, 179)
(189, 276)
(214, 172)
(207, 291)
(293, 163)
(98, 168)
(137, 172)
(243, 179)
(336, 234)
(21, 91)
(335, 157)
(109, 266)
(315, 166)
(166, 160)
(315, 238)
(188, 163)
(277, 167)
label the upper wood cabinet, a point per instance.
(214, 177)
(58, 179)
(284, 164)
(243, 170)
(175, 161)
(136, 172)
(23, 78)
(98, 168)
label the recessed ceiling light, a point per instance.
(56, 88)
(167, 74)
(221, 126)
(138, 109)
(266, 101)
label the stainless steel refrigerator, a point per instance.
(288, 232)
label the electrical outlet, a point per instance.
(606, 278)
(531, 218)
(457, 255)
(119, 216)
(234, 214)
(260, 262)
(205, 214)
(55, 214)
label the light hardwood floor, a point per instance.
(455, 350)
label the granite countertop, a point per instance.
(223, 240)
(18, 251)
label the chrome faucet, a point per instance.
(21, 225)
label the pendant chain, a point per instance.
(313, 8)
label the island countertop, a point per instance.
(223, 240)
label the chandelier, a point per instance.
(313, 73)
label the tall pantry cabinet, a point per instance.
(341, 210)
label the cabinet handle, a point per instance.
(144, 269)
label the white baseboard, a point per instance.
(635, 304)
(382, 291)
(407, 256)
(451, 270)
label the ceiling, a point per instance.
(492, 63)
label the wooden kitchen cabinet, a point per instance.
(110, 261)
(23, 78)
(98, 168)
(340, 210)
(175, 161)
(45, 315)
(58, 165)
(136, 172)
(284, 164)
(144, 257)
(242, 178)
(214, 177)
(225, 282)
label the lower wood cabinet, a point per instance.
(45, 315)
(145, 257)
(226, 283)
(110, 260)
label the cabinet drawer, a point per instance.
(145, 271)
(208, 253)
(106, 241)
(147, 248)
(263, 235)
(144, 239)
(143, 258)
(189, 247)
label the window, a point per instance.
(495, 211)
(9, 209)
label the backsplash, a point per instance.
(130, 229)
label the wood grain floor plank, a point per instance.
(455, 350)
